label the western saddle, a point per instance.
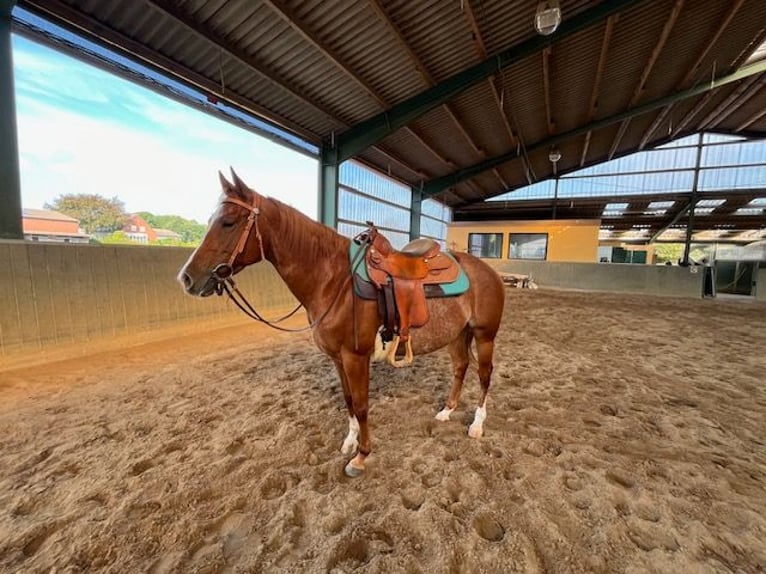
(400, 276)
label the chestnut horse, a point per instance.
(313, 260)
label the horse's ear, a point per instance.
(239, 186)
(226, 187)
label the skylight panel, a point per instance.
(703, 210)
(749, 211)
(614, 209)
(709, 203)
(757, 201)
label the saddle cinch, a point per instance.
(402, 281)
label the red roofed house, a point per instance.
(138, 230)
(51, 226)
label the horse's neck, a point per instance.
(309, 257)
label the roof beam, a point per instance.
(438, 184)
(373, 130)
(481, 49)
(742, 94)
(689, 76)
(292, 20)
(171, 10)
(751, 120)
(547, 89)
(666, 30)
(63, 14)
(608, 30)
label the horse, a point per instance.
(313, 261)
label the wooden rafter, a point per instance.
(596, 90)
(481, 49)
(742, 94)
(692, 71)
(380, 11)
(751, 120)
(291, 18)
(171, 10)
(666, 30)
(547, 52)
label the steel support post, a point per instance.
(10, 180)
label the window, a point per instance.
(487, 245)
(527, 246)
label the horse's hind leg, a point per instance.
(458, 352)
(484, 348)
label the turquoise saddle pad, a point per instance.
(456, 287)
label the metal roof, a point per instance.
(461, 98)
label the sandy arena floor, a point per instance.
(624, 434)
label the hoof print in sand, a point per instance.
(413, 499)
(273, 486)
(488, 528)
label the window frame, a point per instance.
(510, 243)
(499, 250)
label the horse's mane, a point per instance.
(312, 239)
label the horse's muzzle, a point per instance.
(192, 287)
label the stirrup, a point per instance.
(407, 353)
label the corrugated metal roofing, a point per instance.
(320, 67)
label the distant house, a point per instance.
(45, 225)
(138, 230)
(166, 234)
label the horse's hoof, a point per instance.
(475, 432)
(443, 415)
(352, 471)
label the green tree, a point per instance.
(190, 231)
(116, 238)
(668, 252)
(95, 213)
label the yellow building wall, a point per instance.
(568, 239)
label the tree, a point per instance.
(190, 231)
(94, 212)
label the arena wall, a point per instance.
(79, 296)
(665, 280)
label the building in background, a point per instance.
(45, 225)
(138, 230)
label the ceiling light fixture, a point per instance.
(547, 17)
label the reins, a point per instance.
(224, 272)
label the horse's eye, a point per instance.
(226, 223)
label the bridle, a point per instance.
(223, 273)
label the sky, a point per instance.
(83, 130)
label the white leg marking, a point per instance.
(443, 415)
(477, 426)
(350, 442)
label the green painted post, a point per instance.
(328, 186)
(10, 180)
(416, 208)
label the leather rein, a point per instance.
(223, 273)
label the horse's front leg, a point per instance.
(357, 371)
(351, 441)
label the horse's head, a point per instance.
(231, 243)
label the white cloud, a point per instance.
(166, 164)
